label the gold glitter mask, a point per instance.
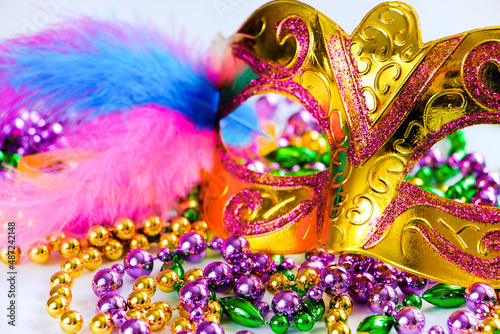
(419, 93)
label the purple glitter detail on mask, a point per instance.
(473, 73)
(289, 26)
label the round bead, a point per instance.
(152, 225)
(262, 263)
(109, 302)
(73, 266)
(138, 300)
(101, 324)
(303, 321)
(146, 284)
(234, 249)
(180, 225)
(56, 306)
(472, 163)
(98, 236)
(135, 326)
(91, 258)
(119, 317)
(209, 327)
(61, 278)
(436, 330)
(71, 322)
(380, 295)
(412, 300)
(200, 225)
(276, 283)
(335, 280)
(279, 324)
(135, 314)
(214, 308)
(162, 306)
(197, 314)
(39, 254)
(462, 322)
(61, 290)
(124, 228)
(70, 246)
(219, 276)
(264, 308)
(286, 302)
(156, 318)
(192, 247)
(216, 244)
(245, 332)
(339, 328)
(411, 284)
(478, 293)
(307, 278)
(409, 320)
(490, 326)
(194, 294)
(193, 274)
(169, 240)
(105, 281)
(243, 267)
(113, 250)
(119, 269)
(362, 284)
(249, 287)
(342, 301)
(335, 315)
(139, 262)
(139, 241)
(181, 324)
(167, 280)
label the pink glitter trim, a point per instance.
(289, 26)
(491, 241)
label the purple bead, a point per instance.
(472, 163)
(261, 263)
(118, 316)
(317, 265)
(489, 179)
(249, 287)
(216, 244)
(389, 308)
(436, 330)
(410, 320)
(315, 253)
(380, 295)
(139, 262)
(245, 332)
(335, 280)
(119, 268)
(135, 326)
(267, 105)
(243, 267)
(192, 247)
(264, 308)
(361, 285)
(109, 302)
(185, 331)
(315, 293)
(478, 293)
(462, 322)
(411, 284)
(286, 303)
(453, 160)
(194, 294)
(197, 314)
(219, 276)
(257, 166)
(209, 327)
(165, 254)
(381, 270)
(106, 281)
(288, 263)
(482, 310)
(432, 158)
(486, 197)
(234, 248)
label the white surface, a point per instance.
(203, 20)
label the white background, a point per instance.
(200, 21)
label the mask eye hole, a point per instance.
(271, 133)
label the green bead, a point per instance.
(303, 171)
(279, 324)
(295, 288)
(455, 191)
(290, 156)
(288, 273)
(279, 172)
(2, 156)
(192, 214)
(314, 308)
(177, 258)
(303, 321)
(434, 190)
(444, 295)
(458, 142)
(325, 159)
(425, 174)
(175, 267)
(375, 324)
(242, 312)
(213, 296)
(278, 259)
(413, 300)
(444, 172)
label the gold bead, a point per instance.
(495, 312)
(416, 181)
(307, 278)
(180, 225)
(124, 228)
(212, 317)
(166, 280)
(163, 306)
(313, 140)
(152, 225)
(443, 188)
(490, 325)
(61, 278)
(61, 290)
(139, 241)
(71, 322)
(335, 315)
(113, 249)
(339, 328)
(342, 301)
(11, 258)
(181, 324)
(169, 240)
(73, 266)
(193, 274)
(146, 284)
(101, 324)
(182, 312)
(55, 241)
(214, 308)
(39, 254)
(98, 236)
(138, 300)
(56, 306)
(200, 225)
(70, 246)
(276, 283)
(91, 258)
(187, 203)
(135, 314)
(156, 319)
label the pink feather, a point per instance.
(131, 165)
